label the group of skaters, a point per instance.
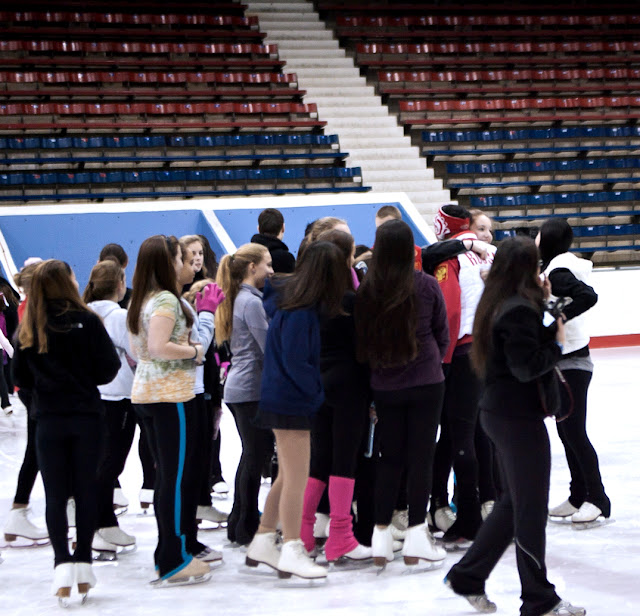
(372, 372)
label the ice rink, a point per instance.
(597, 568)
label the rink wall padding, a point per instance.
(77, 232)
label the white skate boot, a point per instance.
(19, 525)
(263, 550)
(486, 508)
(294, 560)
(209, 555)
(115, 535)
(562, 512)
(120, 501)
(420, 545)
(104, 551)
(220, 489)
(196, 572)
(85, 579)
(444, 518)
(146, 499)
(63, 577)
(588, 516)
(212, 514)
(321, 529)
(564, 608)
(480, 603)
(399, 524)
(382, 546)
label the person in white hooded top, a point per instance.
(569, 277)
(106, 287)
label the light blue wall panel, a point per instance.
(78, 238)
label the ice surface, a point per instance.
(598, 568)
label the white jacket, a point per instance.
(576, 329)
(115, 322)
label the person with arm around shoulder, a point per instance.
(512, 351)
(588, 504)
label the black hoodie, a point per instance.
(283, 261)
(65, 379)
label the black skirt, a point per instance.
(277, 421)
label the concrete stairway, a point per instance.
(350, 107)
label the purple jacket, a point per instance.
(432, 335)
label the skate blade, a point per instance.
(207, 525)
(22, 543)
(299, 582)
(423, 566)
(189, 581)
(104, 557)
(593, 524)
(556, 519)
(120, 510)
(146, 513)
(349, 564)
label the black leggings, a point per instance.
(166, 426)
(407, 425)
(257, 448)
(586, 482)
(29, 469)
(522, 446)
(205, 447)
(336, 437)
(120, 425)
(457, 445)
(69, 448)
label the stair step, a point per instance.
(294, 34)
(268, 6)
(328, 63)
(282, 20)
(293, 55)
(319, 46)
(415, 186)
(369, 124)
(342, 91)
(363, 110)
(324, 82)
(431, 196)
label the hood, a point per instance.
(103, 307)
(270, 297)
(581, 268)
(272, 243)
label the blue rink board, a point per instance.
(78, 238)
(241, 224)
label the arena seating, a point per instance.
(161, 99)
(527, 110)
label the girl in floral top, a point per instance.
(163, 390)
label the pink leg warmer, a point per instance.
(312, 495)
(341, 539)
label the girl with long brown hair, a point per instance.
(291, 394)
(512, 350)
(242, 320)
(402, 330)
(63, 354)
(163, 386)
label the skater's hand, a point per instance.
(209, 298)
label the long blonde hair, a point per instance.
(231, 272)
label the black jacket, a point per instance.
(434, 254)
(283, 261)
(522, 350)
(65, 379)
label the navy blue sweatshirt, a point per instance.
(291, 378)
(80, 356)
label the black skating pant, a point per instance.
(457, 445)
(29, 469)
(69, 449)
(120, 424)
(520, 513)
(167, 427)
(407, 425)
(586, 481)
(257, 449)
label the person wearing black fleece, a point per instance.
(569, 276)
(512, 350)
(63, 354)
(270, 233)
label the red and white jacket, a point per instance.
(462, 285)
